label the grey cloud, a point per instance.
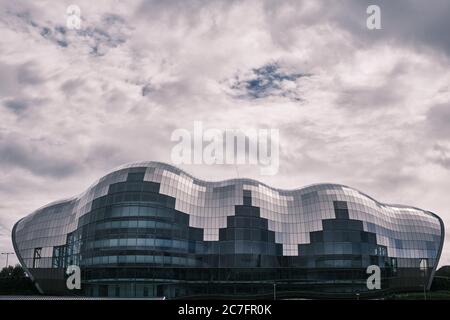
(23, 106)
(4, 229)
(438, 121)
(180, 11)
(363, 98)
(407, 22)
(110, 32)
(15, 80)
(71, 86)
(105, 155)
(146, 89)
(389, 176)
(415, 23)
(99, 36)
(28, 74)
(56, 35)
(16, 77)
(19, 152)
(441, 155)
(100, 40)
(15, 105)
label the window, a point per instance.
(381, 251)
(136, 176)
(341, 213)
(423, 264)
(394, 265)
(340, 205)
(247, 198)
(37, 257)
(59, 257)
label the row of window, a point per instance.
(136, 259)
(141, 224)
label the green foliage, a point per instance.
(441, 280)
(13, 281)
(11, 272)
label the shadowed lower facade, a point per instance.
(151, 230)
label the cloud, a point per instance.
(405, 23)
(438, 120)
(364, 108)
(15, 76)
(440, 154)
(39, 157)
(17, 106)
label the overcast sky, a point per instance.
(365, 108)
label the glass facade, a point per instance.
(151, 230)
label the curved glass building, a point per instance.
(152, 230)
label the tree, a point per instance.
(441, 280)
(13, 281)
(11, 272)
